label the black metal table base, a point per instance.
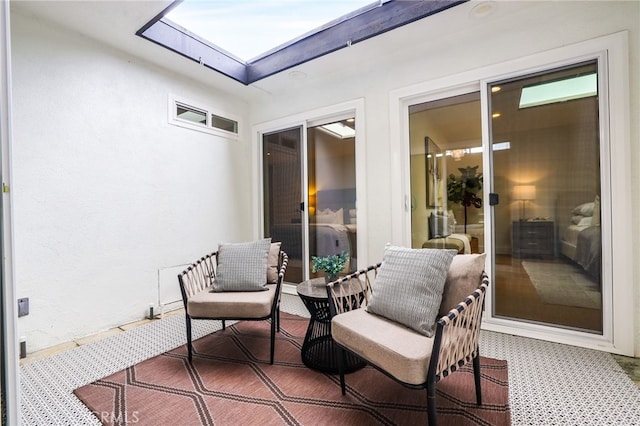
(320, 352)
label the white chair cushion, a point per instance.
(463, 277)
(272, 268)
(400, 351)
(231, 304)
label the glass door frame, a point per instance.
(304, 188)
(538, 329)
(305, 120)
(612, 53)
(10, 381)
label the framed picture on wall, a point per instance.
(432, 171)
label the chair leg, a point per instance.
(278, 318)
(431, 402)
(189, 344)
(342, 360)
(273, 337)
(476, 376)
(224, 324)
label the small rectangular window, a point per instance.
(202, 118)
(191, 114)
(225, 124)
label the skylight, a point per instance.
(339, 130)
(249, 28)
(308, 28)
(566, 89)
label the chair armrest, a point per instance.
(351, 291)
(457, 332)
(198, 276)
(282, 262)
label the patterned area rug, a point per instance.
(563, 284)
(231, 382)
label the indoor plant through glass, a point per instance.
(331, 265)
(464, 189)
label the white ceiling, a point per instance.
(116, 22)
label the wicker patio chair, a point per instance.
(201, 303)
(410, 358)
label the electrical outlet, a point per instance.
(23, 306)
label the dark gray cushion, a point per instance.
(409, 286)
(242, 266)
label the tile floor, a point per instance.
(631, 366)
(549, 383)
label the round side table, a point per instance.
(319, 351)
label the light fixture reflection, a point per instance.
(457, 154)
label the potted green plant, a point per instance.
(464, 189)
(331, 265)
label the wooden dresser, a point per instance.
(533, 238)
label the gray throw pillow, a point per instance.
(409, 285)
(242, 266)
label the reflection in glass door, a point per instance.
(332, 213)
(325, 223)
(446, 174)
(283, 189)
(547, 230)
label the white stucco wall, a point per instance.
(106, 192)
(431, 49)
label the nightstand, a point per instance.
(533, 238)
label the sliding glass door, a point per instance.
(283, 189)
(332, 212)
(546, 226)
(309, 188)
(542, 161)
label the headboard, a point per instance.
(336, 199)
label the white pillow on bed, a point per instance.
(585, 209)
(336, 217)
(581, 220)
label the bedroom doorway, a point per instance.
(309, 187)
(547, 234)
(446, 140)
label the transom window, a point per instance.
(190, 115)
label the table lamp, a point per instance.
(524, 193)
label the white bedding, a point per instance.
(569, 239)
(571, 233)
